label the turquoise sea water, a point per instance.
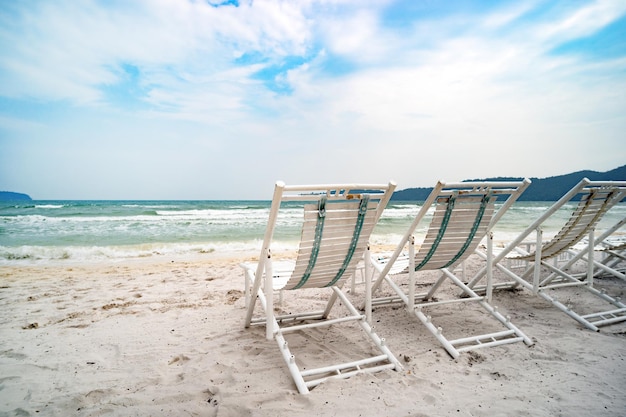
(78, 231)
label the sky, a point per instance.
(210, 99)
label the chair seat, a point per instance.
(282, 271)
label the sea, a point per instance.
(65, 232)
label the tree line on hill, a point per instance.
(541, 189)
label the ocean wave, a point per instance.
(150, 206)
(9, 207)
(49, 206)
(111, 231)
(89, 254)
(216, 213)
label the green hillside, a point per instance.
(541, 189)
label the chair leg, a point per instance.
(385, 360)
(454, 347)
(290, 360)
(367, 267)
(269, 295)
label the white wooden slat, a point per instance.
(460, 223)
(583, 218)
(339, 223)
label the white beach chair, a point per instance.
(338, 221)
(613, 252)
(464, 214)
(610, 251)
(543, 274)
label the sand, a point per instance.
(165, 337)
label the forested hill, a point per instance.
(541, 189)
(9, 196)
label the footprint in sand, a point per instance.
(232, 296)
(213, 399)
(178, 359)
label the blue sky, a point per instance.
(192, 99)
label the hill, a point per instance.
(541, 189)
(10, 196)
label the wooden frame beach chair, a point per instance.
(538, 267)
(464, 214)
(337, 224)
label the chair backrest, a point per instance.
(334, 237)
(337, 224)
(596, 198)
(459, 224)
(463, 214)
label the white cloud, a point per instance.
(581, 22)
(456, 97)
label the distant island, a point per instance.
(541, 189)
(10, 196)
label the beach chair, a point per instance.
(463, 214)
(337, 223)
(613, 252)
(610, 251)
(537, 262)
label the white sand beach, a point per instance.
(165, 337)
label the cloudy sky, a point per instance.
(209, 99)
